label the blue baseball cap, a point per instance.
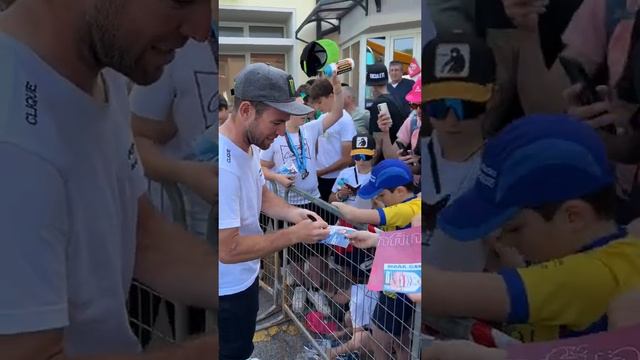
(537, 160)
(388, 174)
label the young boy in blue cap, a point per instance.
(546, 188)
(391, 183)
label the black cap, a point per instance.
(363, 144)
(458, 66)
(377, 75)
(270, 85)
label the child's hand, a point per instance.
(362, 239)
(285, 180)
(384, 122)
(509, 256)
(416, 298)
(345, 210)
(344, 193)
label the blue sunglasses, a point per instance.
(362, 157)
(462, 109)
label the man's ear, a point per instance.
(245, 110)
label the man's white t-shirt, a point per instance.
(187, 93)
(455, 178)
(330, 143)
(354, 178)
(280, 154)
(69, 189)
(240, 203)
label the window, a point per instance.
(266, 31)
(231, 31)
(403, 52)
(230, 66)
(275, 60)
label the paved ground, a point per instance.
(282, 341)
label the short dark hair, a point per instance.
(410, 186)
(395, 62)
(603, 202)
(303, 91)
(222, 104)
(320, 88)
(259, 106)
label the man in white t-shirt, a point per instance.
(75, 221)
(335, 144)
(168, 116)
(264, 101)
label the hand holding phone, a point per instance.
(383, 108)
(578, 75)
(404, 149)
(588, 94)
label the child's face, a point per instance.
(324, 104)
(535, 238)
(451, 126)
(389, 198)
(223, 114)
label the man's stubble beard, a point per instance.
(108, 46)
(252, 138)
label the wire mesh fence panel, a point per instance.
(325, 293)
(154, 319)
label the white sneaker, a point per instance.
(320, 301)
(299, 297)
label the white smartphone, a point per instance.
(383, 108)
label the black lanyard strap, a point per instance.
(434, 167)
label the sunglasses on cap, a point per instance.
(362, 157)
(462, 109)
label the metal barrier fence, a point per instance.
(148, 322)
(322, 290)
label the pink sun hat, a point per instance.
(414, 68)
(415, 95)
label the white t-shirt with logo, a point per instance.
(354, 178)
(187, 93)
(70, 189)
(280, 154)
(240, 204)
(330, 143)
(455, 178)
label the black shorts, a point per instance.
(393, 315)
(237, 323)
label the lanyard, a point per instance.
(301, 161)
(355, 172)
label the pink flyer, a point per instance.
(397, 266)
